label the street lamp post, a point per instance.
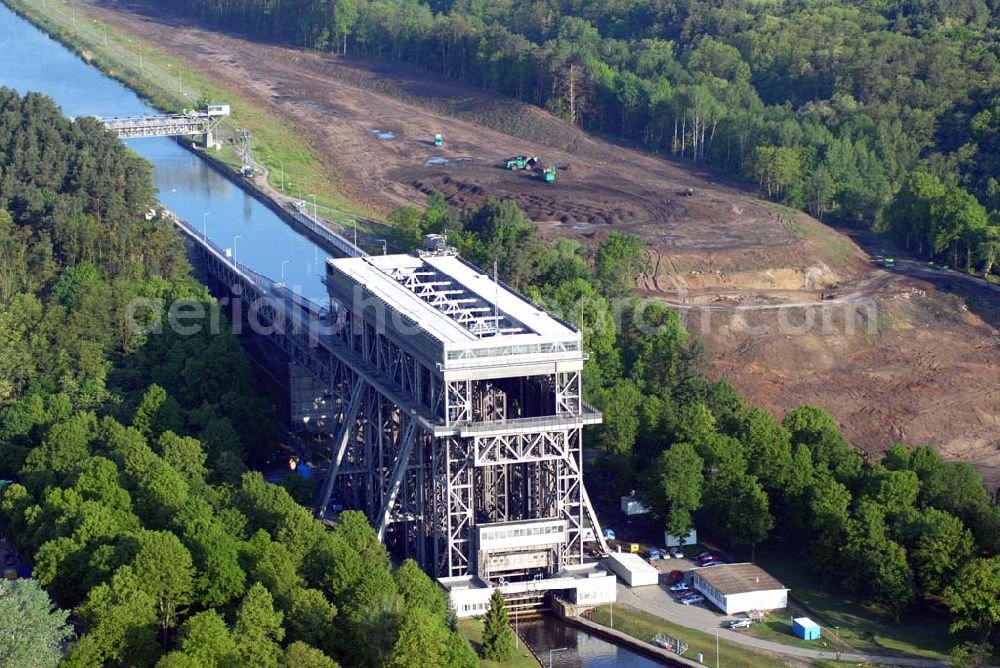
(282, 176)
(553, 651)
(315, 209)
(238, 236)
(283, 263)
(141, 72)
(355, 233)
(836, 640)
(204, 224)
(105, 32)
(384, 251)
(716, 648)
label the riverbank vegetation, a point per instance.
(838, 110)
(126, 445)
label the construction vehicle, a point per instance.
(547, 174)
(439, 139)
(521, 162)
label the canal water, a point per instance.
(571, 647)
(31, 61)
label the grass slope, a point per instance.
(644, 626)
(472, 629)
(866, 628)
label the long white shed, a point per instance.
(632, 569)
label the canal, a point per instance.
(571, 647)
(32, 61)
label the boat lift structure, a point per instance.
(455, 416)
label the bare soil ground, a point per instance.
(926, 370)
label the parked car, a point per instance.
(691, 599)
(679, 586)
(706, 558)
(609, 534)
(677, 552)
(675, 576)
(739, 623)
(655, 554)
(702, 555)
(712, 563)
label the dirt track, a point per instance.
(928, 372)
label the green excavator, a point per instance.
(521, 162)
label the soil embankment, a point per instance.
(796, 313)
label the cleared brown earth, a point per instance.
(929, 371)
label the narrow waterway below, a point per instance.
(572, 647)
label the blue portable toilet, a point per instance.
(304, 470)
(805, 628)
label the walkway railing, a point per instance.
(265, 284)
(335, 240)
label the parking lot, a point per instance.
(659, 600)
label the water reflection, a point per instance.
(546, 633)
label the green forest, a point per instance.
(882, 114)
(128, 451)
(124, 452)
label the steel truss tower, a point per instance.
(456, 404)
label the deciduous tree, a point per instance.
(32, 630)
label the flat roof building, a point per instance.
(740, 587)
(632, 569)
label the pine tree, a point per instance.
(498, 638)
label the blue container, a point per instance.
(304, 470)
(805, 628)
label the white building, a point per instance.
(632, 569)
(676, 541)
(739, 588)
(586, 584)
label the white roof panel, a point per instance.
(379, 274)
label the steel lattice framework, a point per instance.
(467, 413)
(170, 125)
(440, 422)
